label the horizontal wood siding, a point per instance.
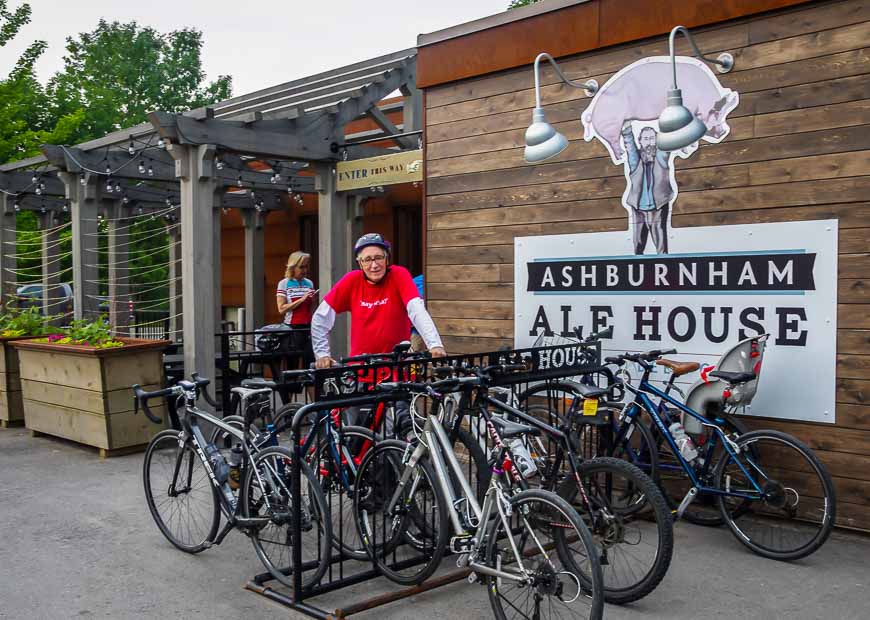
(799, 150)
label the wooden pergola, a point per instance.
(252, 153)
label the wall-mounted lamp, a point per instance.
(678, 127)
(542, 141)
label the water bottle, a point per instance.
(523, 460)
(218, 463)
(683, 441)
(235, 464)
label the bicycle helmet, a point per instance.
(371, 239)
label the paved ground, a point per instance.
(77, 541)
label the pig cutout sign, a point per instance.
(623, 116)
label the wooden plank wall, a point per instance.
(798, 150)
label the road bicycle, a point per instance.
(529, 547)
(623, 508)
(769, 488)
(189, 485)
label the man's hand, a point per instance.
(324, 362)
(438, 352)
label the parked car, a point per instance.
(30, 296)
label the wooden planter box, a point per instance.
(11, 409)
(83, 394)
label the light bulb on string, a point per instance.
(168, 202)
(161, 144)
(273, 179)
(141, 167)
(218, 163)
(141, 210)
(117, 187)
(109, 187)
(277, 176)
(38, 190)
(131, 149)
(150, 171)
(16, 206)
(125, 200)
(108, 169)
(34, 179)
(83, 181)
(65, 206)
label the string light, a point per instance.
(161, 144)
(131, 149)
(83, 180)
(38, 190)
(34, 179)
(108, 169)
(65, 206)
(141, 167)
(125, 200)
(218, 163)
(16, 206)
(117, 187)
(150, 171)
(109, 187)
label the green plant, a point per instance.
(96, 333)
(24, 322)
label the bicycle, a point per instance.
(760, 479)
(529, 547)
(188, 487)
(622, 507)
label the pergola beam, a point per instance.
(382, 121)
(268, 138)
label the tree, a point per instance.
(515, 4)
(119, 72)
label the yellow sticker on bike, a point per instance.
(590, 406)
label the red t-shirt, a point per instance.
(378, 312)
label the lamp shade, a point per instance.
(678, 127)
(542, 141)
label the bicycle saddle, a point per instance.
(733, 377)
(679, 368)
(590, 391)
(512, 429)
(258, 384)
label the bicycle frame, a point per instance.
(643, 402)
(435, 443)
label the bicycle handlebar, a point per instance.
(641, 358)
(141, 396)
(200, 383)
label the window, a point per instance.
(408, 238)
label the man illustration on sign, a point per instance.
(649, 191)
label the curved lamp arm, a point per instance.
(724, 61)
(590, 86)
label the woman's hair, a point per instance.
(293, 262)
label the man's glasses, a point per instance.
(368, 260)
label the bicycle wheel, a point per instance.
(675, 483)
(405, 542)
(353, 444)
(630, 522)
(564, 584)
(795, 514)
(266, 492)
(179, 492)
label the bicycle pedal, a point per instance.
(461, 544)
(474, 578)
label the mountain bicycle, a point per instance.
(189, 485)
(770, 489)
(529, 547)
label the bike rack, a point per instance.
(351, 386)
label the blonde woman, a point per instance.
(296, 299)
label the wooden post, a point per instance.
(119, 273)
(84, 203)
(51, 291)
(8, 247)
(193, 165)
(335, 246)
(216, 256)
(254, 269)
(176, 300)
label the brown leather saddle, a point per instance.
(679, 368)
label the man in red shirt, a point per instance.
(383, 303)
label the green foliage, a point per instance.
(92, 333)
(120, 71)
(515, 4)
(27, 322)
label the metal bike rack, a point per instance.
(351, 386)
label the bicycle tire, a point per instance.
(627, 508)
(165, 447)
(340, 500)
(746, 521)
(272, 467)
(533, 514)
(387, 541)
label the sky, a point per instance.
(259, 44)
